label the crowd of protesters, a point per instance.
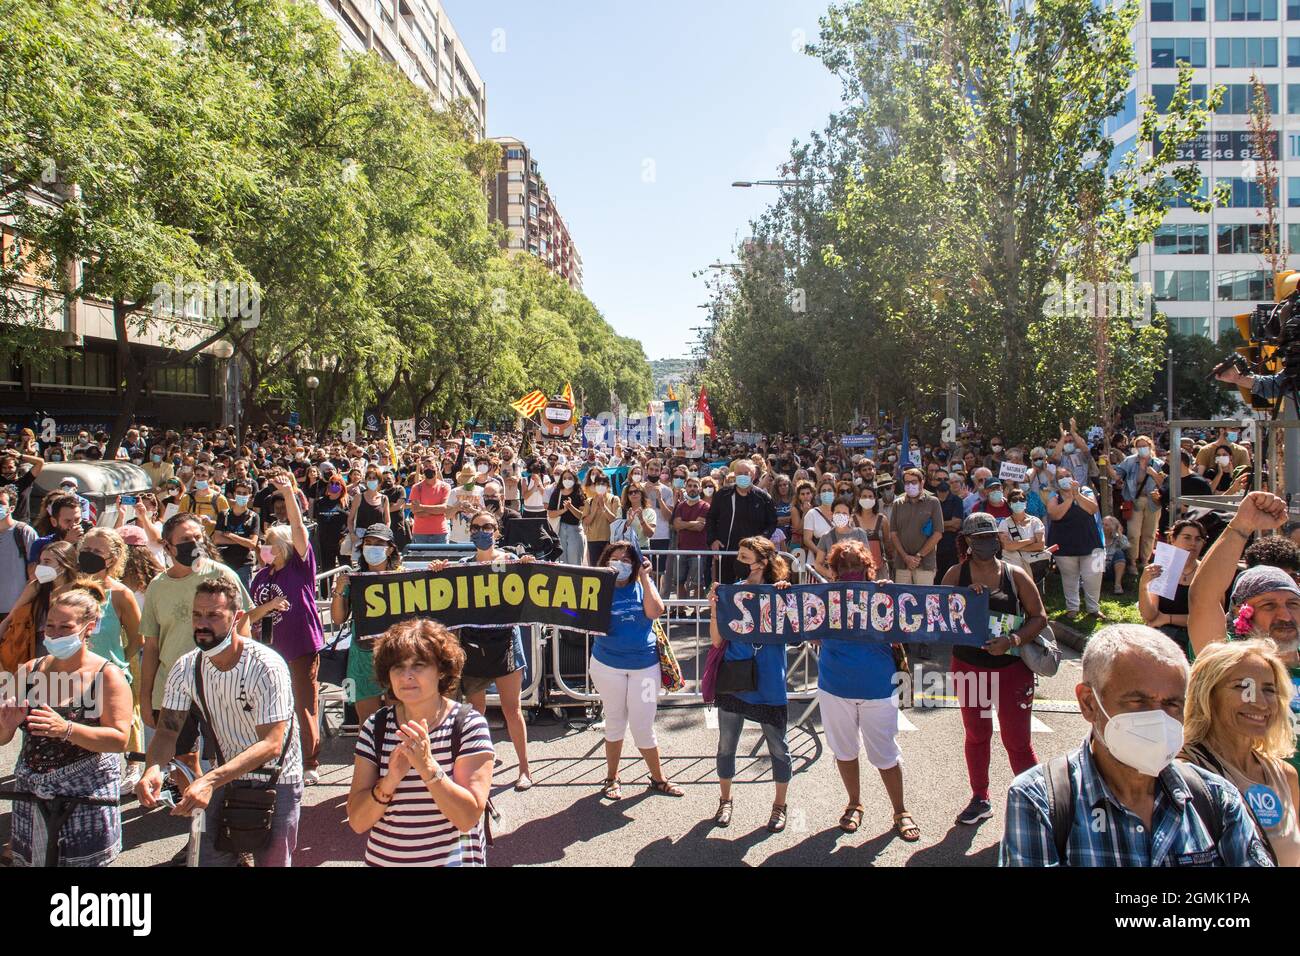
(201, 597)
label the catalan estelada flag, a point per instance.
(703, 417)
(567, 395)
(531, 403)
(672, 396)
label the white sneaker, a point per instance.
(129, 780)
(310, 778)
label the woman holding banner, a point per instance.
(494, 655)
(378, 553)
(991, 676)
(856, 693)
(766, 704)
(625, 667)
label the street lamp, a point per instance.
(313, 383)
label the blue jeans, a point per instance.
(573, 547)
(729, 727)
(284, 831)
(428, 539)
(245, 574)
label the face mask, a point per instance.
(567, 483)
(743, 481)
(1224, 461)
(996, 449)
(984, 547)
(483, 540)
(241, 500)
(995, 497)
(45, 574)
(827, 497)
(692, 496)
(623, 569)
(90, 562)
(1069, 447)
(267, 552)
(679, 482)
(429, 473)
(912, 489)
(1066, 484)
(1144, 452)
(187, 552)
(840, 520)
(63, 647)
(482, 469)
(708, 492)
(636, 476)
(375, 554)
(214, 648)
(1232, 436)
(156, 459)
(867, 504)
(201, 484)
(336, 489)
(4, 512)
(1146, 740)
(1017, 507)
(372, 484)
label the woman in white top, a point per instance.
(536, 490)
(1238, 725)
(640, 520)
(818, 521)
(1023, 536)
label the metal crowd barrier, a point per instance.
(689, 568)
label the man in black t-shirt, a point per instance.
(237, 530)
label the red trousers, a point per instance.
(1011, 690)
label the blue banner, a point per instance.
(617, 477)
(853, 611)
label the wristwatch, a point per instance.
(438, 773)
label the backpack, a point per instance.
(457, 733)
(1060, 802)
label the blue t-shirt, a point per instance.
(771, 671)
(630, 643)
(856, 670)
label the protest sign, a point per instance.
(404, 430)
(482, 438)
(746, 438)
(853, 611)
(484, 595)
(1149, 423)
(1012, 472)
(858, 441)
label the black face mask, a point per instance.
(90, 562)
(187, 552)
(985, 547)
(429, 473)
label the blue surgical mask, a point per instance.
(1232, 436)
(156, 459)
(1069, 447)
(743, 481)
(201, 484)
(623, 570)
(63, 647)
(1017, 507)
(483, 540)
(373, 484)
(679, 482)
(4, 512)
(375, 554)
(827, 497)
(995, 497)
(241, 500)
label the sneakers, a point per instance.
(310, 778)
(129, 781)
(975, 811)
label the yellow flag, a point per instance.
(672, 396)
(567, 395)
(392, 449)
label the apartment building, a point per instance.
(418, 37)
(1205, 268)
(518, 198)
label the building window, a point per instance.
(1167, 52)
(517, 221)
(1182, 285)
(1245, 51)
(1243, 193)
(1244, 284)
(514, 154)
(1292, 99)
(187, 380)
(1183, 239)
(515, 177)
(1293, 9)
(1178, 11)
(1242, 238)
(516, 197)
(1238, 10)
(1117, 154)
(1127, 113)
(532, 210)
(1293, 236)
(1164, 93)
(1191, 325)
(1293, 191)
(77, 369)
(1237, 98)
(1182, 199)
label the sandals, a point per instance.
(908, 830)
(666, 788)
(723, 817)
(776, 823)
(852, 818)
(524, 782)
(610, 788)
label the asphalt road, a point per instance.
(564, 821)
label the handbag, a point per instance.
(670, 671)
(247, 812)
(709, 679)
(1042, 655)
(738, 677)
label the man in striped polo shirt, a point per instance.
(247, 711)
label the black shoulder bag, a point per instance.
(247, 811)
(738, 677)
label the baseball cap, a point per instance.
(992, 483)
(133, 535)
(379, 530)
(979, 523)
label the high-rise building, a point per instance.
(1206, 268)
(416, 36)
(518, 198)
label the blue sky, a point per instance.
(640, 116)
